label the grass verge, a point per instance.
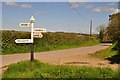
(36, 69)
(106, 53)
(109, 54)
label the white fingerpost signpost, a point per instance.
(35, 33)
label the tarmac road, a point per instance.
(50, 55)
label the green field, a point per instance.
(36, 69)
(50, 41)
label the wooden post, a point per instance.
(32, 52)
(90, 28)
(32, 20)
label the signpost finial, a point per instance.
(32, 19)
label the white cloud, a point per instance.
(40, 13)
(89, 6)
(25, 6)
(74, 5)
(80, 4)
(103, 9)
(97, 10)
(116, 11)
(11, 4)
(106, 8)
(14, 4)
(111, 4)
(76, 0)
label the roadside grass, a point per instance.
(37, 69)
(109, 54)
(106, 53)
(50, 41)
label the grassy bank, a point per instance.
(50, 41)
(109, 54)
(36, 69)
(106, 53)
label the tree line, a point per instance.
(112, 32)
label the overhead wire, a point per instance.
(75, 9)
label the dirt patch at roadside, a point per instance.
(87, 60)
(82, 60)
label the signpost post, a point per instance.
(35, 33)
(32, 20)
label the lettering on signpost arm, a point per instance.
(24, 24)
(23, 41)
(38, 32)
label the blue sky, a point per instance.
(57, 16)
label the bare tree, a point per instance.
(101, 29)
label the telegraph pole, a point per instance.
(90, 28)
